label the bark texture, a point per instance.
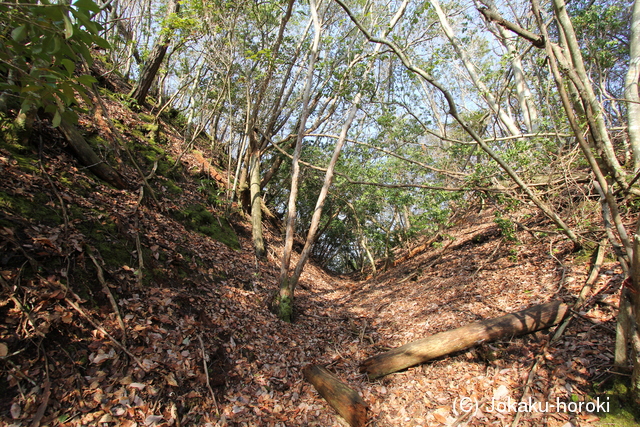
(345, 400)
(89, 158)
(522, 322)
(153, 62)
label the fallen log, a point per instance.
(345, 400)
(417, 250)
(89, 158)
(522, 322)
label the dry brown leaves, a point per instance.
(196, 288)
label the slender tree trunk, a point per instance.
(505, 118)
(256, 203)
(285, 299)
(525, 98)
(634, 321)
(287, 287)
(631, 87)
(595, 114)
(153, 62)
(254, 144)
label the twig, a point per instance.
(595, 268)
(16, 369)
(153, 171)
(489, 259)
(102, 330)
(593, 275)
(527, 385)
(120, 142)
(206, 373)
(564, 269)
(43, 405)
(140, 260)
(140, 197)
(55, 191)
(106, 290)
(28, 315)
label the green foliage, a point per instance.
(41, 45)
(603, 28)
(213, 194)
(175, 117)
(507, 228)
(149, 152)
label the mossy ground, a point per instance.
(621, 410)
(35, 208)
(198, 218)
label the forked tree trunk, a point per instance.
(285, 299)
(522, 322)
(345, 400)
(287, 286)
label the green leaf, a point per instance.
(86, 5)
(68, 95)
(101, 42)
(57, 118)
(68, 27)
(57, 44)
(84, 20)
(54, 13)
(86, 79)
(19, 33)
(69, 65)
(82, 49)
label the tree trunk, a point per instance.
(289, 285)
(345, 400)
(631, 87)
(623, 331)
(256, 199)
(153, 62)
(634, 321)
(522, 322)
(255, 145)
(525, 98)
(89, 158)
(285, 301)
(595, 115)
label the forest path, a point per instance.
(471, 274)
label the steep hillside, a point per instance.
(146, 306)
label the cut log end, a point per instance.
(345, 400)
